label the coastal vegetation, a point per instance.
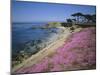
(77, 18)
(72, 54)
(77, 53)
(53, 25)
(83, 18)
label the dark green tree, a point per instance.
(69, 21)
(88, 17)
(77, 16)
(94, 18)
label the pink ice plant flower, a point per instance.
(79, 52)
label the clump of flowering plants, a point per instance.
(77, 53)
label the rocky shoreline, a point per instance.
(34, 46)
(57, 36)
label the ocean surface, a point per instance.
(23, 33)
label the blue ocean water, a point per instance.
(23, 32)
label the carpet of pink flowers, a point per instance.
(78, 53)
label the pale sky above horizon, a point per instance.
(44, 12)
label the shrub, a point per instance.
(53, 24)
